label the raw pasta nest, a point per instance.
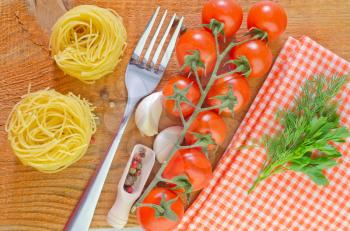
(88, 41)
(50, 131)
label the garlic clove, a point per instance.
(148, 114)
(165, 142)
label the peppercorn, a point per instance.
(130, 180)
(132, 171)
(134, 164)
(138, 157)
(142, 152)
(128, 189)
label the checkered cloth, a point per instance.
(288, 201)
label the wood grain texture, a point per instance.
(31, 200)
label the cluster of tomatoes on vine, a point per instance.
(266, 21)
(197, 52)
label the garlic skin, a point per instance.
(165, 142)
(148, 113)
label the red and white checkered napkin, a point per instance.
(288, 201)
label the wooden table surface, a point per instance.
(31, 200)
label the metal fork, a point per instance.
(141, 78)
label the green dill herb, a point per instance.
(310, 125)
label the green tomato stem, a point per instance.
(154, 206)
(188, 146)
(199, 83)
(166, 180)
(217, 44)
(183, 120)
(210, 108)
(227, 74)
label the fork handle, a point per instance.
(82, 214)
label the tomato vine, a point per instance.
(193, 62)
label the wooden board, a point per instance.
(31, 200)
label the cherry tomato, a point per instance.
(192, 95)
(147, 216)
(269, 17)
(197, 40)
(228, 12)
(192, 163)
(207, 122)
(221, 86)
(259, 56)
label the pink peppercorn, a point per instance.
(129, 189)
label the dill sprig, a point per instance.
(310, 125)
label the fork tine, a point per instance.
(141, 43)
(170, 48)
(150, 47)
(161, 44)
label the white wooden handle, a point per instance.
(119, 213)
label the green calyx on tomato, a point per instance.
(269, 17)
(257, 53)
(193, 61)
(242, 65)
(162, 209)
(258, 34)
(199, 40)
(222, 86)
(216, 27)
(207, 123)
(228, 12)
(228, 101)
(180, 96)
(202, 140)
(181, 182)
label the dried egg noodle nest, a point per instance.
(88, 41)
(50, 131)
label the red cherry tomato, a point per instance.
(269, 17)
(221, 86)
(147, 216)
(192, 163)
(207, 122)
(200, 40)
(192, 95)
(259, 56)
(228, 12)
